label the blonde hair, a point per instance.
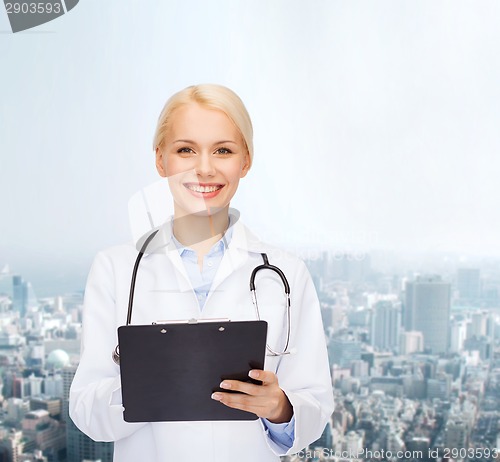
(211, 96)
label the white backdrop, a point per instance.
(376, 123)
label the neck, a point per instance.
(191, 230)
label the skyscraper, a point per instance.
(20, 295)
(23, 296)
(386, 325)
(427, 309)
(469, 283)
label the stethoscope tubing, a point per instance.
(265, 265)
(286, 286)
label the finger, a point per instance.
(240, 401)
(266, 377)
(243, 387)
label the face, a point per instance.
(204, 156)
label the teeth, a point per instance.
(203, 189)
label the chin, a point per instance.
(209, 211)
(202, 211)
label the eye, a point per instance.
(184, 150)
(224, 151)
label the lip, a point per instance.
(207, 195)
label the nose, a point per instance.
(205, 165)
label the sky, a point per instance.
(376, 123)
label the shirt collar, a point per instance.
(218, 248)
(240, 237)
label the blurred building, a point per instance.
(349, 267)
(78, 445)
(456, 434)
(16, 409)
(327, 316)
(478, 325)
(23, 296)
(12, 447)
(344, 349)
(483, 345)
(35, 385)
(44, 432)
(53, 385)
(411, 342)
(427, 309)
(458, 334)
(52, 405)
(386, 325)
(469, 283)
(439, 387)
(353, 442)
(20, 295)
(326, 439)
(360, 368)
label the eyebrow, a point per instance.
(194, 142)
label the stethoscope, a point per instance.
(265, 265)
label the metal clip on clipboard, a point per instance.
(192, 321)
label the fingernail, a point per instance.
(253, 374)
(216, 396)
(225, 385)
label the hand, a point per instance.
(267, 401)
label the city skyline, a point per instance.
(67, 277)
(427, 401)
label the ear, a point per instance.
(246, 166)
(159, 162)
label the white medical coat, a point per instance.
(164, 292)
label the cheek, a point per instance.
(173, 165)
(234, 172)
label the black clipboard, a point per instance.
(169, 371)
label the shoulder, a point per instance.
(277, 255)
(116, 257)
(281, 255)
(118, 251)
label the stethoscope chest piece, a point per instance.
(116, 355)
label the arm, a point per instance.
(95, 396)
(304, 392)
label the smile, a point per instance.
(203, 189)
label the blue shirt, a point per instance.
(202, 280)
(283, 434)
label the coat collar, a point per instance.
(243, 242)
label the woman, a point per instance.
(198, 266)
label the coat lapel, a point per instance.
(243, 242)
(163, 244)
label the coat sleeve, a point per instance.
(304, 375)
(95, 404)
